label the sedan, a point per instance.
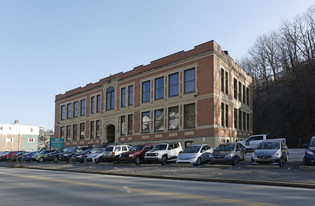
(195, 154)
(230, 153)
(309, 157)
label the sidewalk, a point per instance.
(292, 174)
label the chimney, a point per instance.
(16, 121)
(226, 52)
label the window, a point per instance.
(235, 118)
(226, 83)
(189, 116)
(227, 115)
(30, 140)
(98, 128)
(247, 96)
(92, 129)
(240, 120)
(75, 132)
(76, 109)
(145, 122)
(110, 98)
(82, 110)
(63, 112)
(92, 105)
(146, 91)
(69, 111)
(235, 88)
(159, 88)
(189, 80)
(130, 95)
(244, 93)
(62, 132)
(123, 97)
(68, 132)
(247, 122)
(222, 114)
(159, 120)
(239, 91)
(82, 130)
(222, 80)
(130, 124)
(173, 84)
(98, 103)
(173, 118)
(123, 125)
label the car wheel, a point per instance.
(234, 161)
(198, 163)
(137, 160)
(164, 160)
(41, 159)
(281, 162)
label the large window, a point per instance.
(247, 96)
(146, 91)
(63, 112)
(92, 129)
(244, 93)
(189, 116)
(145, 121)
(110, 98)
(222, 80)
(173, 118)
(222, 114)
(69, 110)
(173, 84)
(130, 124)
(68, 132)
(240, 120)
(159, 88)
(247, 122)
(123, 125)
(130, 95)
(235, 88)
(98, 103)
(227, 115)
(93, 105)
(159, 120)
(235, 118)
(82, 110)
(62, 132)
(82, 130)
(226, 82)
(239, 91)
(123, 97)
(75, 132)
(189, 80)
(76, 109)
(98, 128)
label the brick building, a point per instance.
(198, 96)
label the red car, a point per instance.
(136, 153)
(10, 155)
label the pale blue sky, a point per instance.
(50, 47)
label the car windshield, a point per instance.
(312, 143)
(225, 147)
(137, 148)
(160, 147)
(269, 145)
(192, 149)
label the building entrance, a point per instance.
(111, 134)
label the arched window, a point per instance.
(110, 98)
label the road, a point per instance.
(29, 187)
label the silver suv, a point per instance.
(163, 152)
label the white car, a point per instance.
(163, 152)
(112, 152)
(195, 154)
(96, 156)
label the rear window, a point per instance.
(109, 149)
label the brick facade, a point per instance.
(201, 106)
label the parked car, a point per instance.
(271, 152)
(27, 156)
(230, 153)
(112, 152)
(96, 156)
(309, 157)
(53, 156)
(17, 156)
(253, 141)
(136, 153)
(68, 152)
(39, 156)
(3, 155)
(80, 156)
(163, 152)
(195, 154)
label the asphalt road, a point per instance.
(37, 187)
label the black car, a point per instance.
(70, 152)
(80, 156)
(53, 156)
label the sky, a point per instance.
(53, 46)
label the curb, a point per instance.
(237, 181)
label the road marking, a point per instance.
(151, 192)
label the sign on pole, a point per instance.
(56, 142)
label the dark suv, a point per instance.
(136, 153)
(309, 157)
